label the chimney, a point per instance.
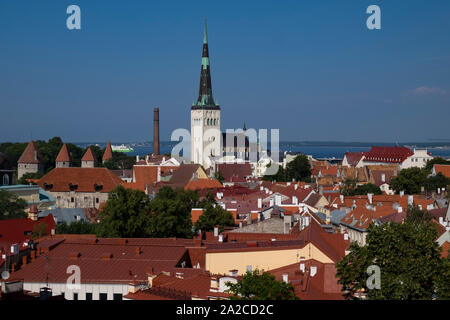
(259, 203)
(156, 131)
(302, 267)
(295, 186)
(216, 231)
(410, 200)
(383, 177)
(402, 193)
(137, 158)
(341, 197)
(313, 271)
(294, 200)
(220, 238)
(370, 197)
(158, 177)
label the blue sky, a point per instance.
(310, 68)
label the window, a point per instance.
(5, 179)
(117, 296)
(88, 295)
(75, 296)
(72, 199)
(96, 200)
(103, 296)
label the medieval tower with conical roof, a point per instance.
(205, 116)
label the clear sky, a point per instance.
(310, 68)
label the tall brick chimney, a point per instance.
(156, 131)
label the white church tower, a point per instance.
(205, 117)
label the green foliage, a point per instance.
(432, 183)
(350, 190)
(39, 230)
(432, 162)
(171, 213)
(299, 169)
(30, 175)
(119, 161)
(76, 227)
(410, 180)
(280, 176)
(13, 150)
(11, 207)
(408, 257)
(219, 176)
(213, 215)
(260, 285)
(125, 215)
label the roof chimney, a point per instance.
(370, 197)
(259, 203)
(156, 131)
(216, 231)
(383, 177)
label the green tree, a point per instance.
(410, 180)
(125, 215)
(213, 215)
(11, 207)
(30, 175)
(350, 190)
(280, 176)
(171, 213)
(119, 161)
(432, 162)
(76, 227)
(407, 255)
(299, 169)
(219, 176)
(260, 285)
(432, 183)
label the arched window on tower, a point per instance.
(5, 179)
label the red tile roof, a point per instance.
(353, 157)
(203, 184)
(234, 171)
(30, 154)
(388, 154)
(106, 260)
(84, 178)
(88, 155)
(19, 230)
(108, 153)
(442, 168)
(63, 155)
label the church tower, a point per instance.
(205, 116)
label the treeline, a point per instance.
(412, 180)
(131, 214)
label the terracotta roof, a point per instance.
(30, 154)
(442, 168)
(85, 179)
(88, 155)
(320, 286)
(353, 157)
(19, 230)
(106, 260)
(63, 155)
(232, 171)
(203, 184)
(388, 154)
(183, 175)
(108, 152)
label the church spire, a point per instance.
(205, 96)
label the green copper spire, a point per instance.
(205, 34)
(205, 97)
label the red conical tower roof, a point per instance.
(63, 155)
(108, 152)
(30, 155)
(88, 155)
